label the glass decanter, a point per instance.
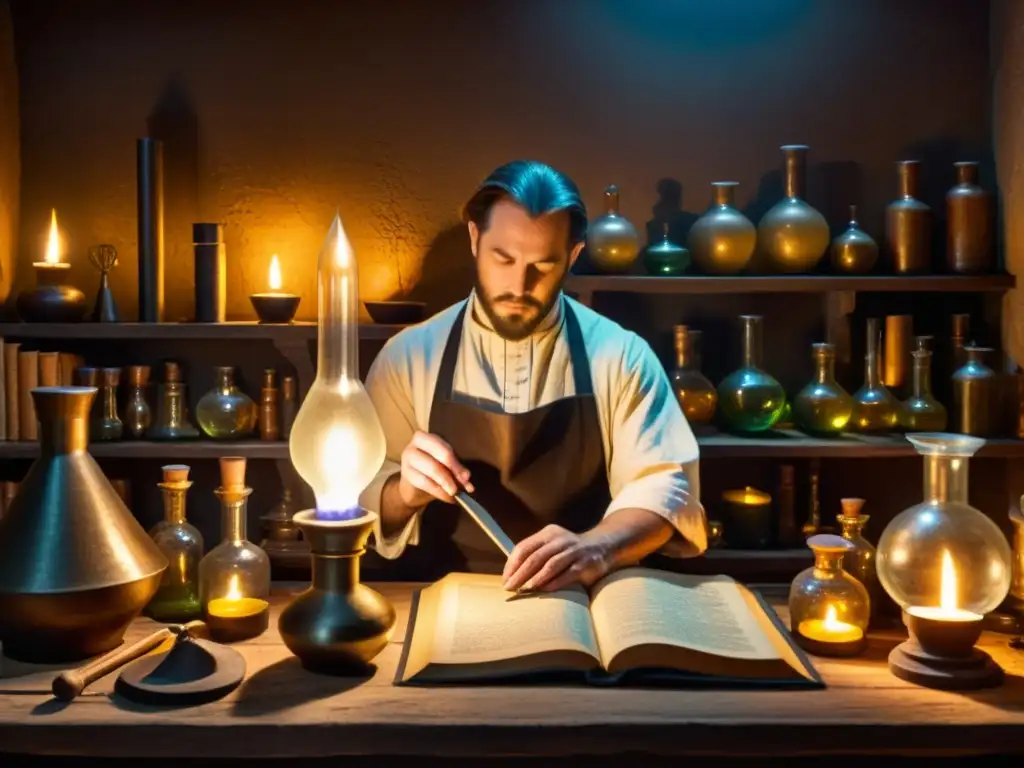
(921, 411)
(823, 407)
(694, 391)
(177, 598)
(749, 399)
(875, 408)
(226, 412)
(234, 576)
(829, 608)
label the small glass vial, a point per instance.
(110, 426)
(828, 608)
(172, 417)
(177, 598)
(137, 414)
(234, 577)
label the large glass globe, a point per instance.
(943, 553)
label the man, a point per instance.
(561, 423)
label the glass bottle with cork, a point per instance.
(234, 577)
(177, 598)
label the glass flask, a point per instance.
(829, 608)
(665, 258)
(976, 395)
(694, 391)
(172, 418)
(337, 443)
(859, 561)
(943, 558)
(110, 426)
(137, 414)
(226, 412)
(921, 412)
(875, 408)
(823, 407)
(177, 599)
(749, 399)
(234, 576)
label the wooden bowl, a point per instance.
(395, 312)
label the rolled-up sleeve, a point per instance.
(389, 386)
(654, 457)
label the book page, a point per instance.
(639, 606)
(477, 621)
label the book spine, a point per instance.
(3, 390)
(68, 363)
(28, 379)
(11, 390)
(49, 373)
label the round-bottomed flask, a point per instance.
(829, 609)
(854, 252)
(921, 411)
(793, 233)
(723, 240)
(226, 412)
(749, 398)
(613, 243)
(875, 408)
(942, 557)
(694, 391)
(823, 407)
(665, 258)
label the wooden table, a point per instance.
(283, 711)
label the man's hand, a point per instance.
(430, 470)
(554, 558)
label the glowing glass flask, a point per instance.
(337, 443)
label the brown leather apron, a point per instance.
(529, 469)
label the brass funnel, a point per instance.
(75, 565)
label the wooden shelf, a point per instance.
(778, 444)
(589, 284)
(145, 449)
(184, 331)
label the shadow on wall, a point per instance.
(447, 271)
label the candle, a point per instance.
(746, 519)
(52, 300)
(947, 609)
(51, 258)
(830, 629)
(275, 306)
(235, 617)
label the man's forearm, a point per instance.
(394, 513)
(628, 535)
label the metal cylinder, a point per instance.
(210, 273)
(150, 202)
(899, 335)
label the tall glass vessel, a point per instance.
(749, 398)
(694, 391)
(875, 408)
(177, 599)
(337, 443)
(823, 407)
(921, 411)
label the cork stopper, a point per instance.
(828, 542)
(232, 472)
(851, 507)
(138, 375)
(172, 372)
(288, 388)
(175, 473)
(269, 379)
(87, 377)
(111, 377)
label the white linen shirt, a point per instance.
(650, 451)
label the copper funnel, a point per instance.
(75, 565)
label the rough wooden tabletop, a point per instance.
(283, 711)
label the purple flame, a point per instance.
(338, 515)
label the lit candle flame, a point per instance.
(832, 618)
(948, 590)
(234, 591)
(53, 242)
(275, 274)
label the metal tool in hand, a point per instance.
(486, 522)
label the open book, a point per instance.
(636, 624)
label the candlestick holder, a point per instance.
(338, 625)
(52, 300)
(104, 258)
(828, 608)
(234, 576)
(947, 565)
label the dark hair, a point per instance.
(537, 187)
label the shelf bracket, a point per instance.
(297, 352)
(839, 305)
